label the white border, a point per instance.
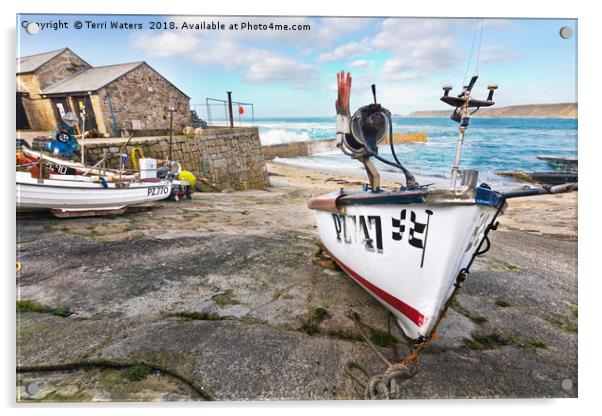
(589, 154)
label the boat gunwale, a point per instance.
(138, 185)
(337, 201)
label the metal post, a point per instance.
(230, 109)
(171, 110)
(83, 116)
(462, 129)
(208, 111)
(104, 160)
(252, 114)
(456, 167)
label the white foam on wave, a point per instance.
(280, 136)
(300, 125)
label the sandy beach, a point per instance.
(223, 298)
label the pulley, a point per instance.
(370, 125)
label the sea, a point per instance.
(490, 145)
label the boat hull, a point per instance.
(51, 194)
(408, 256)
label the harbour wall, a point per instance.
(297, 149)
(229, 158)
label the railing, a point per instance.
(218, 112)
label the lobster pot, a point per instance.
(148, 168)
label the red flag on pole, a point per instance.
(241, 110)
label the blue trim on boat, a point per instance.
(488, 197)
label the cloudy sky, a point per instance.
(292, 73)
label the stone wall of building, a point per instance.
(142, 94)
(40, 112)
(60, 67)
(228, 158)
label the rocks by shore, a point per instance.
(222, 297)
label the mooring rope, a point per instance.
(388, 384)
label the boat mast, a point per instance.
(461, 115)
(459, 143)
(83, 116)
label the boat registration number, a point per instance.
(158, 190)
(367, 230)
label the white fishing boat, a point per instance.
(68, 170)
(411, 247)
(70, 195)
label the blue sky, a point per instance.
(292, 73)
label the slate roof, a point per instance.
(30, 63)
(91, 79)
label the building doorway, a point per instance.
(60, 108)
(22, 120)
(83, 101)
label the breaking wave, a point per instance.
(279, 136)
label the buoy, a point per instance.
(188, 177)
(137, 153)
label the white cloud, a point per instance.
(166, 44)
(330, 29)
(279, 68)
(429, 55)
(359, 63)
(344, 52)
(397, 69)
(244, 50)
(435, 53)
(400, 34)
(498, 53)
(256, 64)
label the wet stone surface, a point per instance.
(222, 298)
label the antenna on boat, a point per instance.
(461, 115)
(464, 101)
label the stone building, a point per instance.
(35, 73)
(114, 96)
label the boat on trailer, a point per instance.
(411, 247)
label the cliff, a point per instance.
(562, 110)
